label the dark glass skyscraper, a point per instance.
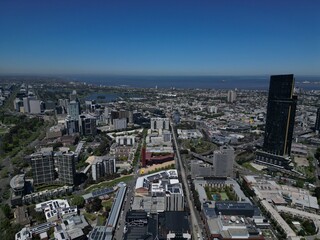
(317, 125)
(281, 112)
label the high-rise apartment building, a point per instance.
(281, 111)
(42, 165)
(74, 109)
(232, 95)
(65, 162)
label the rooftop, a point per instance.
(17, 182)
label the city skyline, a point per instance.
(160, 38)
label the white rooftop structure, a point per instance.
(53, 209)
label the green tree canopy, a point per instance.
(77, 201)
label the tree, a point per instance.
(6, 211)
(57, 145)
(94, 206)
(299, 183)
(78, 201)
(89, 150)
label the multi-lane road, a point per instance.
(119, 231)
(196, 229)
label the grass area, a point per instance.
(109, 183)
(101, 220)
(107, 203)
(245, 157)
(90, 216)
(224, 194)
(248, 165)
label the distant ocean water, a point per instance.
(202, 82)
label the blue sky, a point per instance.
(160, 37)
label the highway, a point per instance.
(196, 230)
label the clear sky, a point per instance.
(174, 37)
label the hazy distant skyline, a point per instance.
(160, 37)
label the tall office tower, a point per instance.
(42, 165)
(223, 160)
(159, 123)
(65, 162)
(281, 112)
(232, 95)
(317, 125)
(74, 109)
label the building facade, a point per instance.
(88, 125)
(125, 140)
(281, 111)
(35, 106)
(65, 162)
(74, 109)
(317, 125)
(159, 123)
(174, 197)
(120, 123)
(42, 165)
(223, 160)
(103, 166)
